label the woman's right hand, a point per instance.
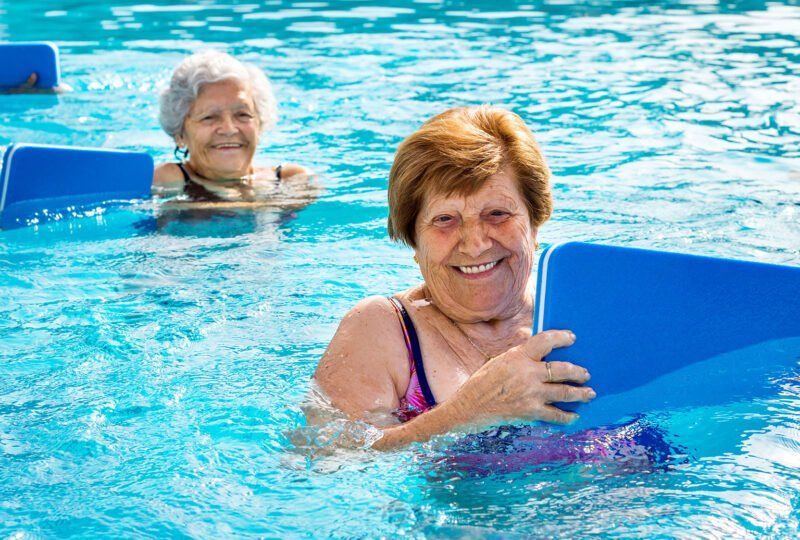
(518, 385)
(29, 87)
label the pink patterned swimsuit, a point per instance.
(418, 397)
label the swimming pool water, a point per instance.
(153, 364)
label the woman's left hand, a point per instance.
(514, 385)
(518, 385)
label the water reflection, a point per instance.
(668, 124)
(217, 222)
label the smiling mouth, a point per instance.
(478, 268)
(227, 146)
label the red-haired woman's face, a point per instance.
(476, 252)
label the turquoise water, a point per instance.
(153, 365)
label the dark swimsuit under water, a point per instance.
(418, 397)
(198, 192)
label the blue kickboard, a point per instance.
(640, 315)
(39, 180)
(19, 60)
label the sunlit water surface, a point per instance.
(152, 370)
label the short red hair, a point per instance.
(455, 152)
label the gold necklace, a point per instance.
(461, 330)
(429, 300)
(474, 345)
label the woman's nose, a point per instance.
(474, 239)
(227, 125)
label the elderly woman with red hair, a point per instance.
(467, 192)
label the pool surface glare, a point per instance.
(153, 363)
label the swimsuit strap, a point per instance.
(415, 353)
(186, 178)
(195, 191)
(278, 171)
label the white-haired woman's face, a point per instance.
(221, 131)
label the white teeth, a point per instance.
(478, 269)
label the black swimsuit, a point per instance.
(198, 192)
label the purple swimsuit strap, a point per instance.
(417, 398)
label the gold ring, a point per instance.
(549, 372)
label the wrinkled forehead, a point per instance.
(436, 196)
(502, 185)
(225, 94)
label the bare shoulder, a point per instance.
(301, 182)
(365, 368)
(369, 326)
(414, 299)
(373, 309)
(289, 170)
(167, 175)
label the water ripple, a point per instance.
(154, 362)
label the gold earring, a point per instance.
(416, 260)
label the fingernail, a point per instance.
(573, 336)
(592, 394)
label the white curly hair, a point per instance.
(209, 67)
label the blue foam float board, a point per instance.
(640, 315)
(19, 60)
(38, 181)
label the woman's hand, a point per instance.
(518, 385)
(30, 83)
(29, 87)
(514, 385)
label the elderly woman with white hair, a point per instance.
(216, 108)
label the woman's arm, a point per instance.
(288, 170)
(365, 370)
(514, 385)
(167, 174)
(167, 180)
(300, 181)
